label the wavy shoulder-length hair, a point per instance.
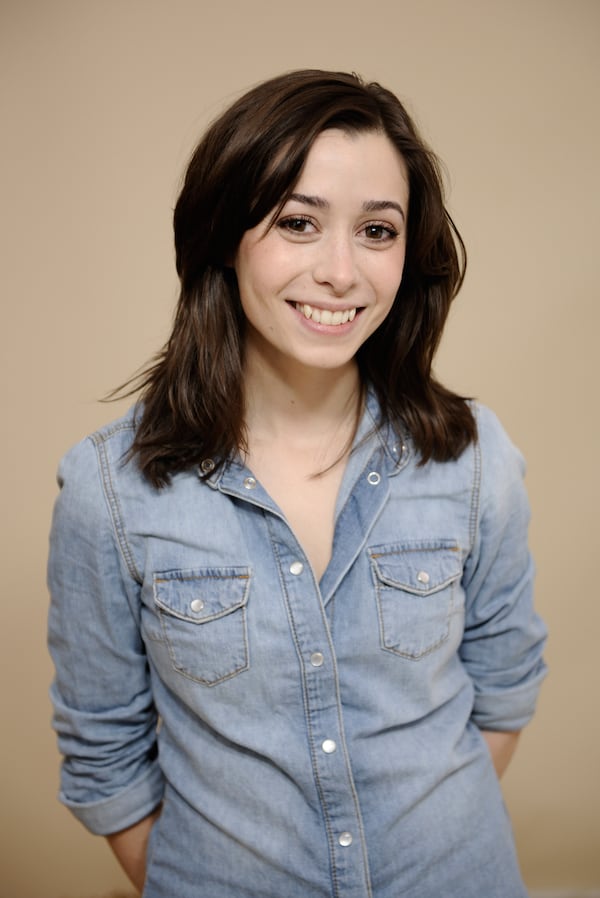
(245, 167)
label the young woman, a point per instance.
(291, 592)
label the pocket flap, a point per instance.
(203, 595)
(420, 568)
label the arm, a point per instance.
(129, 846)
(501, 747)
(503, 637)
(104, 712)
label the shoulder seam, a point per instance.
(99, 439)
(476, 487)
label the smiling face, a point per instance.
(318, 282)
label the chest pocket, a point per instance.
(203, 619)
(417, 590)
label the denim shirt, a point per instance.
(314, 739)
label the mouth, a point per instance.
(326, 316)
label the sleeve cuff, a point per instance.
(511, 709)
(122, 810)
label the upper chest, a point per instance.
(307, 499)
(253, 516)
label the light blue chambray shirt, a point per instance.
(319, 740)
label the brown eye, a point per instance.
(295, 223)
(380, 232)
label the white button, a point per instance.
(296, 567)
(345, 839)
(197, 605)
(423, 577)
(249, 483)
(328, 746)
(207, 466)
(317, 659)
(374, 478)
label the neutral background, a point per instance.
(101, 105)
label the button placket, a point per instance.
(329, 758)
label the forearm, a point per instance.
(129, 846)
(501, 747)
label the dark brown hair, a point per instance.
(244, 167)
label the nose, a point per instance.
(335, 266)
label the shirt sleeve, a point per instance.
(504, 637)
(104, 714)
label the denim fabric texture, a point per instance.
(308, 739)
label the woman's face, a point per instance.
(318, 282)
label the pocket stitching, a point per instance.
(416, 655)
(166, 613)
(382, 582)
(201, 680)
(168, 609)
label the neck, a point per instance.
(301, 403)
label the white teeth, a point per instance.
(325, 316)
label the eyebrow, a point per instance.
(318, 202)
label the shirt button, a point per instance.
(296, 567)
(345, 839)
(197, 605)
(317, 659)
(423, 577)
(328, 746)
(207, 466)
(250, 483)
(373, 478)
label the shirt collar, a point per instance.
(371, 433)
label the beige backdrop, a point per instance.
(101, 103)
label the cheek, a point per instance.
(259, 273)
(388, 280)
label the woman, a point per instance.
(299, 552)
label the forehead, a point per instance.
(364, 162)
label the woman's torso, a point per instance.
(316, 734)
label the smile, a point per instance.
(325, 316)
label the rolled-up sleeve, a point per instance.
(504, 637)
(104, 714)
